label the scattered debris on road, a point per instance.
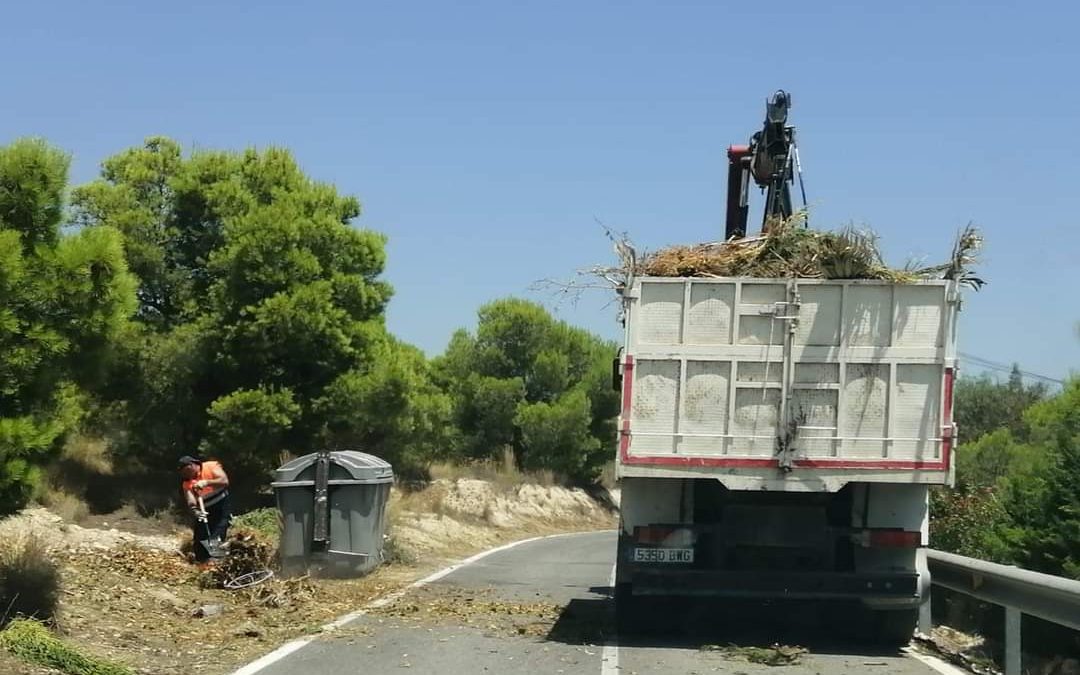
(475, 609)
(967, 651)
(774, 655)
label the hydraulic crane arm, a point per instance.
(771, 159)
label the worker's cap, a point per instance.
(188, 459)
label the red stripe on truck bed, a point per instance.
(628, 387)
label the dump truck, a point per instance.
(778, 438)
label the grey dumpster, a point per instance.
(357, 488)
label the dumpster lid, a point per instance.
(345, 465)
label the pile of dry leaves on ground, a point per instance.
(154, 610)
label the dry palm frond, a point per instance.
(789, 250)
(850, 254)
(618, 276)
(965, 255)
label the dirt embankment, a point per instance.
(454, 517)
(132, 597)
(60, 537)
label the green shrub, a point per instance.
(63, 297)
(970, 522)
(31, 641)
(528, 381)
(29, 579)
(24, 444)
(266, 522)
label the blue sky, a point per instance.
(487, 138)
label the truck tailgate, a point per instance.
(849, 378)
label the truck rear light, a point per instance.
(663, 535)
(890, 539)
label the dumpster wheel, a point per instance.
(248, 580)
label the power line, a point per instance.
(1005, 368)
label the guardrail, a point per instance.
(1019, 591)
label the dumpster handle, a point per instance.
(321, 534)
(352, 553)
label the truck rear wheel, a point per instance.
(654, 615)
(630, 612)
(895, 628)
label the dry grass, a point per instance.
(427, 500)
(396, 554)
(502, 473)
(403, 504)
(81, 475)
(29, 579)
(90, 454)
(70, 507)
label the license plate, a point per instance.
(664, 555)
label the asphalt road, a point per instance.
(544, 607)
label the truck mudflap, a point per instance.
(767, 584)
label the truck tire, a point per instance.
(630, 612)
(895, 628)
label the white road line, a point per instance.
(609, 657)
(934, 662)
(290, 647)
(274, 656)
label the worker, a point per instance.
(206, 479)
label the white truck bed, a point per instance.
(799, 385)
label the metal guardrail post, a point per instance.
(926, 623)
(1019, 591)
(1013, 650)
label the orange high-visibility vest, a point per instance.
(211, 494)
